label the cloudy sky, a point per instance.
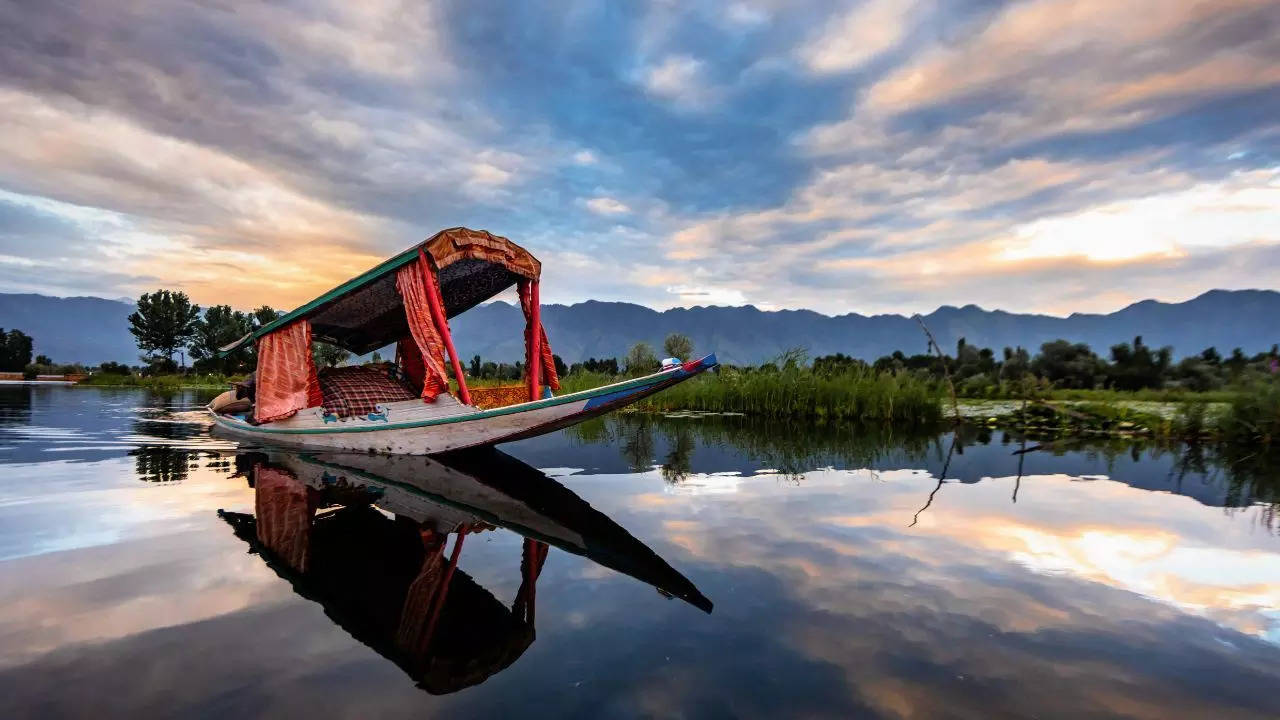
(884, 156)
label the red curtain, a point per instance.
(423, 332)
(549, 375)
(286, 378)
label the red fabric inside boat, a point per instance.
(411, 282)
(286, 377)
(409, 360)
(357, 391)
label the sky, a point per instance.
(883, 156)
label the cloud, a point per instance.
(782, 154)
(681, 80)
(607, 206)
(867, 30)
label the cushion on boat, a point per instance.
(356, 391)
(228, 404)
(223, 400)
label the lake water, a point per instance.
(635, 567)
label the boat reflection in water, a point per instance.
(368, 537)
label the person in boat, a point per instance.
(413, 407)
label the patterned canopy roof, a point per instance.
(365, 313)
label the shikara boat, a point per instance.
(410, 407)
(388, 576)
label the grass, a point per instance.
(1165, 396)
(796, 393)
(1254, 417)
(160, 382)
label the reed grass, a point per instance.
(862, 395)
(1254, 417)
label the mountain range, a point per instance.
(91, 330)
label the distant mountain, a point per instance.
(91, 330)
(87, 330)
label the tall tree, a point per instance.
(678, 345)
(1069, 365)
(640, 359)
(264, 316)
(219, 327)
(164, 322)
(15, 350)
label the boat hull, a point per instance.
(416, 428)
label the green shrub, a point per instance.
(1254, 416)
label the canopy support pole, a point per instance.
(533, 341)
(442, 324)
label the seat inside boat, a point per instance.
(357, 390)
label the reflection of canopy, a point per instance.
(391, 589)
(391, 583)
(365, 313)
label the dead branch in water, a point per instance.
(946, 369)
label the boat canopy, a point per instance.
(367, 312)
(406, 300)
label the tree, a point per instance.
(264, 316)
(1017, 363)
(1068, 365)
(15, 350)
(1136, 367)
(164, 322)
(640, 359)
(837, 364)
(561, 368)
(111, 367)
(219, 327)
(476, 366)
(678, 345)
(327, 355)
(44, 360)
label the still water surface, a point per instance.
(635, 567)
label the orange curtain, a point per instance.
(549, 375)
(285, 508)
(286, 379)
(417, 309)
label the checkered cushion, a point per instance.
(356, 391)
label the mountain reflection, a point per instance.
(377, 541)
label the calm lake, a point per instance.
(637, 566)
